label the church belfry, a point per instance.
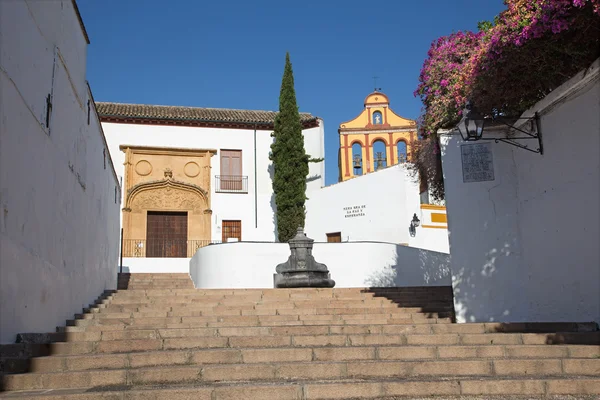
(375, 139)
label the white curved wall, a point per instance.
(362, 264)
(387, 200)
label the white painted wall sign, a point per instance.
(477, 162)
(355, 211)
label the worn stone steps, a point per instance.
(174, 301)
(452, 388)
(192, 322)
(283, 315)
(558, 330)
(161, 338)
(299, 368)
(331, 353)
(177, 340)
(251, 310)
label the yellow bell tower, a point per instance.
(375, 139)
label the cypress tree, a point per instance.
(290, 161)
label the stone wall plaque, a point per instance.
(355, 211)
(477, 162)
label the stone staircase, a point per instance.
(159, 338)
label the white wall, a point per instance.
(138, 265)
(256, 214)
(390, 198)
(59, 235)
(367, 264)
(525, 245)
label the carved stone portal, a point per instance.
(168, 180)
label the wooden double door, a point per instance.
(166, 234)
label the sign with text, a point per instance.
(355, 211)
(477, 162)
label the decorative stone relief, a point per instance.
(168, 198)
(143, 168)
(191, 169)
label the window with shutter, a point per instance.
(231, 170)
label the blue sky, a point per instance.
(230, 54)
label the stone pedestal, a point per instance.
(301, 269)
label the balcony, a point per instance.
(231, 184)
(163, 248)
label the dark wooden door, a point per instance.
(335, 237)
(231, 170)
(232, 229)
(166, 234)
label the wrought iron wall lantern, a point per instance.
(472, 125)
(412, 229)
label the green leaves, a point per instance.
(290, 161)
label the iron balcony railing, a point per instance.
(231, 184)
(163, 248)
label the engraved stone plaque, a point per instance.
(477, 162)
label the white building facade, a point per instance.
(525, 230)
(377, 207)
(238, 180)
(59, 195)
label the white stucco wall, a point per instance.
(255, 212)
(156, 265)
(59, 206)
(525, 245)
(390, 198)
(367, 264)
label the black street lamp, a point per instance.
(472, 125)
(412, 229)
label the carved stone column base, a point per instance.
(301, 279)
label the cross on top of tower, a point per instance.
(375, 84)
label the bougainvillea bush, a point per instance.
(507, 66)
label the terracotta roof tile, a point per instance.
(190, 114)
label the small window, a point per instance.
(335, 237)
(232, 230)
(377, 118)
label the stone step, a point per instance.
(376, 291)
(455, 388)
(287, 354)
(182, 304)
(14, 358)
(548, 328)
(278, 297)
(274, 320)
(295, 294)
(359, 290)
(191, 322)
(174, 339)
(251, 310)
(302, 370)
(176, 302)
(306, 314)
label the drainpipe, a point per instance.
(255, 184)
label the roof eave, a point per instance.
(313, 122)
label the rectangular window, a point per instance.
(232, 230)
(231, 170)
(335, 237)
